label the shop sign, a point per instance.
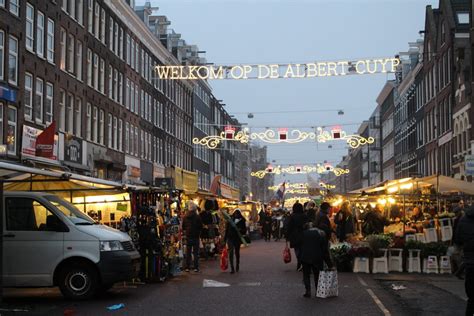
(73, 149)
(469, 165)
(164, 183)
(122, 207)
(7, 94)
(28, 145)
(134, 172)
(277, 71)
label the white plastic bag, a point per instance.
(327, 284)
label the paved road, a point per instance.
(264, 286)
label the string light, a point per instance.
(290, 186)
(300, 170)
(283, 135)
(327, 186)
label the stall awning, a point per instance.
(226, 191)
(190, 182)
(448, 185)
(178, 178)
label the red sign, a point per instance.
(45, 142)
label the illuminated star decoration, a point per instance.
(300, 169)
(283, 135)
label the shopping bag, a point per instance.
(327, 284)
(224, 260)
(286, 254)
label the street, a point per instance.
(264, 286)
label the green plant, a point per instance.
(340, 253)
(377, 242)
(434, 249)
(414, 244)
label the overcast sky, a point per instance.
(289, 31)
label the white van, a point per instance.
(49, 242)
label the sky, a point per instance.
(292, 31)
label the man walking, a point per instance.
(192, 226)
(464, 236)
(314, 252)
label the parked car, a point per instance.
(49, 242)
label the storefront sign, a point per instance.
(278, 71)
(7, 94)
(73, 150)
(469, 165)
(45, 141)
(28, 145)
(164, 183)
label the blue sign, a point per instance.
(7, 94)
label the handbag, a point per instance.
(327, 284)
(224, 259)
(286, 254)
(247, 239)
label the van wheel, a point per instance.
(78, 282)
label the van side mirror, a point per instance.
(54, 224)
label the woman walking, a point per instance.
(345, 223)
(235, 229)
(295, 230)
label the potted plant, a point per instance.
(377, 242)
(341, 256)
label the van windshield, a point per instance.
(69, 210)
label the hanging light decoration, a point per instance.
(290, 186)
(283, 136)
(326, 186)
(229, 134)
(319, 168)
(336, 133)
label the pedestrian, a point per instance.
(311, 211)
(344, 222)
(322, 220)
(267, 226)
(464, 237)
(207, 232)
(314, 252)
(192, 226)
(261, 219)
(235, 229)
(374, 221)
(296, 224)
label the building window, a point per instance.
(89, 67)
(80, 12)
(38, 109)
(95, 121)
(121, 43)
(120, 135)
(50, 41)
(15, 9)
(62, 110)
(40, 34)
(102, 76)
(115, 131)
(462, 17)
(78, 117)
(128, 49)
(30, 21)
(13, 60)
(49, 103)
(101, 127)
(2, 53)
(89, 122)
(79, 60)
(115, 84)
(120, 88)
(70, 53)
(109, 131)
(62, 37)
(102, 26)
(70, 114)
(127, 131)
(96, 20)
(11, 130)
(111, 33)
(116, 38)
(111, 83)
(96, 71)
(90, 16)
(28, 96)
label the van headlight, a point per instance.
(113, 245)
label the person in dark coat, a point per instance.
(192, 227)
(344, 222)
(314, 252)
(322, 220)
(464, 237)
(267, 226)
(233, 237)
(374, 221)
(311, 211)
(296, 224)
